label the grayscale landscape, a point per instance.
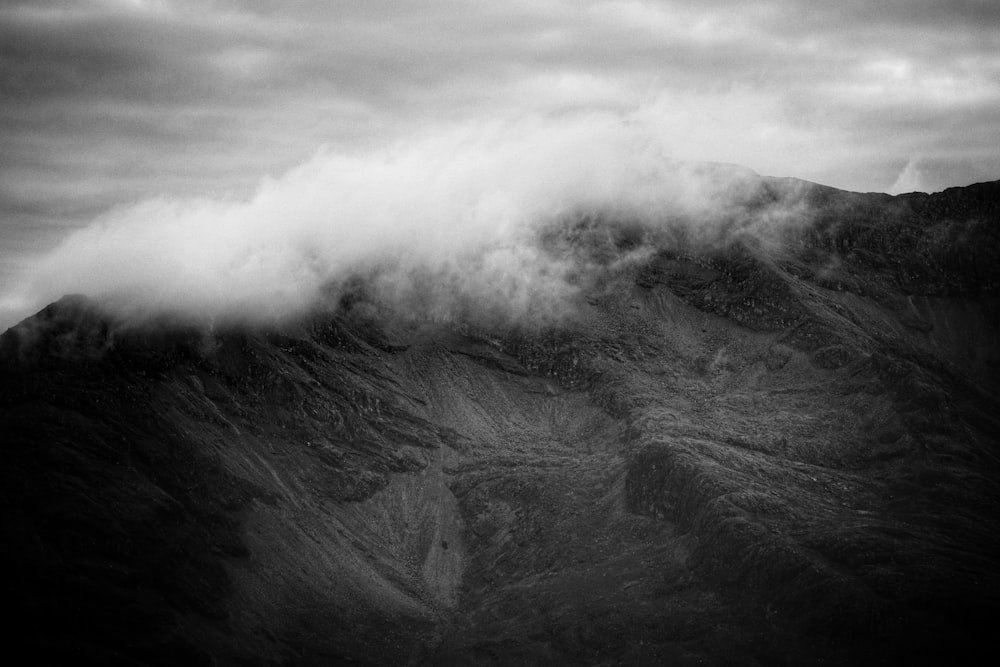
(599, 333)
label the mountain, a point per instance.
(744, 449)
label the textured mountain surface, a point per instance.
(736, 451)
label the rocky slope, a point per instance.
(735, 452)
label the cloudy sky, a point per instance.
(104, 103)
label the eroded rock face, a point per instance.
(736, 454)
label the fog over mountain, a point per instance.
(603, 332)
(442, 220)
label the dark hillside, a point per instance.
(738, 452)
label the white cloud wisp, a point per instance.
(440, 224)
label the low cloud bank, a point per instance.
(436, 225)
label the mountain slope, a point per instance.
(746, 448)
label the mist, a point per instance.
(436, 225)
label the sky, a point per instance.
(108, 105)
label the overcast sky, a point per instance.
(106, 102)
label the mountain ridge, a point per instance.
(744, 452)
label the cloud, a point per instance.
(447, 223)
(110, 102)
(910, 179)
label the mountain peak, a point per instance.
(740, 448)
